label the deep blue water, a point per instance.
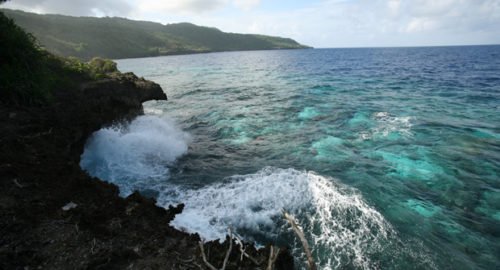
(388, 157)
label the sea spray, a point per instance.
(342, 227)
(135, 156)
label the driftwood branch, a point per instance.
(226, 258)
(229, 249)
(300, 235)
(273, 255)
(204, 257)
(243, 252)
(242, 248)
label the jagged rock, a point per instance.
(41, 148)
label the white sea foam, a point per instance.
(388, 123)
(343, 228)
(388, 126)
(152, 111)
(137, 155)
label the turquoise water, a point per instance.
(389, 158)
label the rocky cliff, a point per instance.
(54, 216)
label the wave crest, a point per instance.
(136, 156)
(343, 228)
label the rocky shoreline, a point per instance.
(54, 216)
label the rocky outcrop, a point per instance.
(54, 216)
(125, 88)
(103, 102)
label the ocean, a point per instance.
(389, 158)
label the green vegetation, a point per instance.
(29, 74)
(25, 76)
(88, 37)
(97, 68)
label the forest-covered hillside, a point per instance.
(88, 37)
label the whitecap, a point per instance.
(388, 126)
(343, 228)
(136, 156)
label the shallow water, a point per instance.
(389, 158)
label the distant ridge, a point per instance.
(87, 37)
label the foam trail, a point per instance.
(344, 230)
(135, 156)
(388, 126)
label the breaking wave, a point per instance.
(343, 228)
(136, 156)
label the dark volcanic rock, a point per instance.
(126, 88)
(54, 216)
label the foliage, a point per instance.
(25, 79)
(100, 67)
(29, 74)
(97, 68)
(88, 37)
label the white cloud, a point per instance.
(342, 23)
(246, 4)
(126, 7)
(394, 6)
(420, 25)
(433, 7)
(73, 7)
(320, 23)
(194, 6)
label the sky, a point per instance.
(317, 23)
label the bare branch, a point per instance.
(226, 258)
(243, 253)
(273, 255)
(205, 257)
(270, 259)
(239, 243)
(300, 234)
(229, 250)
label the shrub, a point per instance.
(24, 78)
(99, 67)
(29, 74)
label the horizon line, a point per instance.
(405, 46)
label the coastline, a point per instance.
(53, 215)
(211, 52)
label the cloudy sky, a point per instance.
(319, 23)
